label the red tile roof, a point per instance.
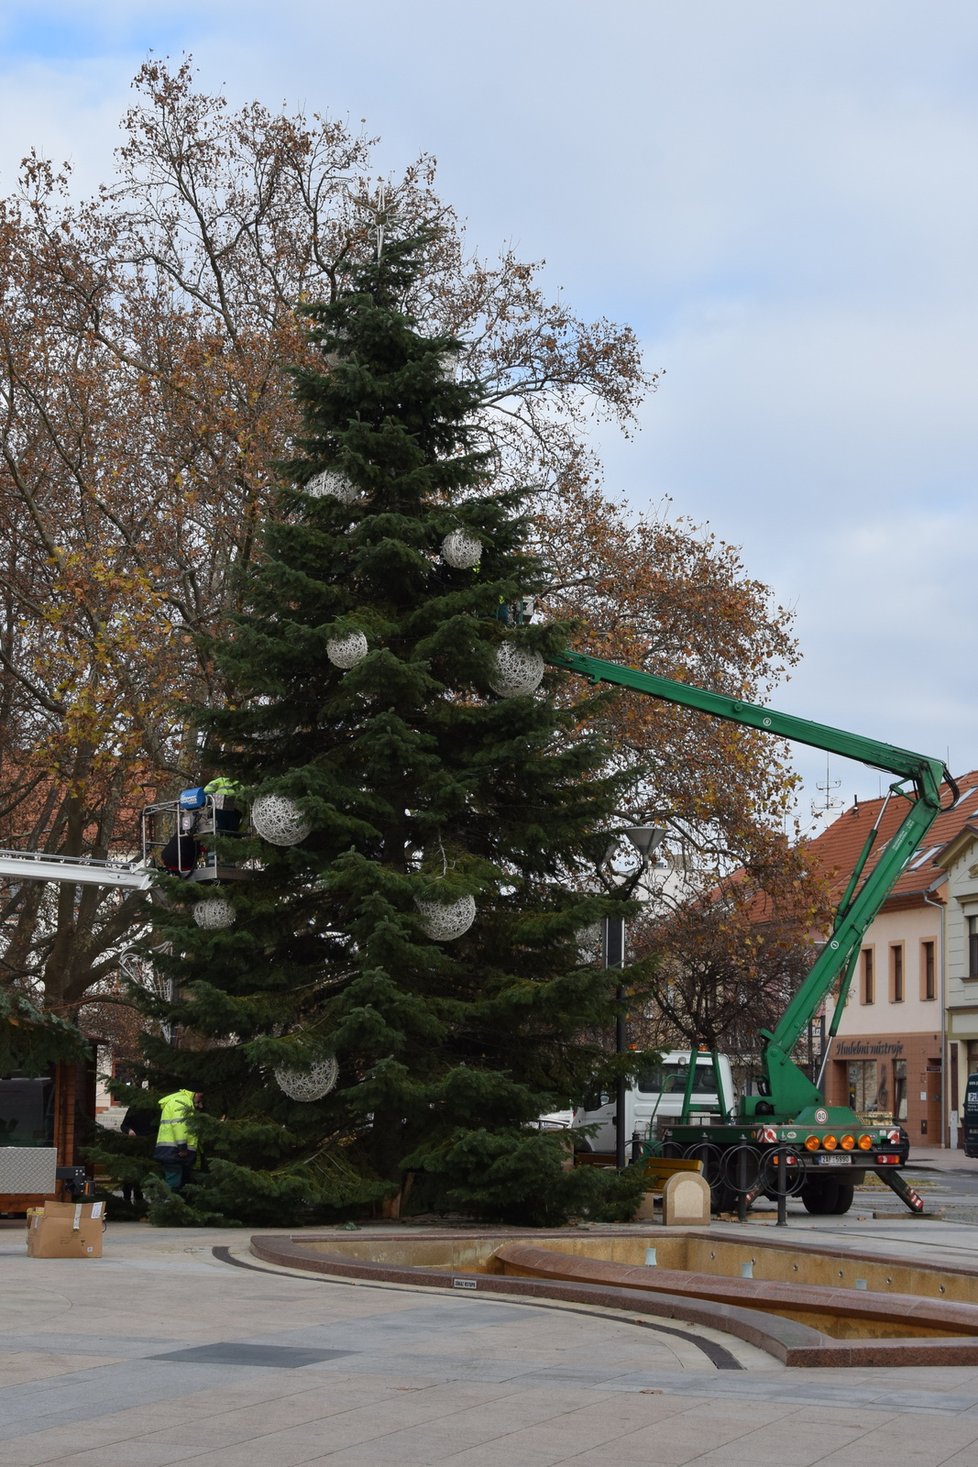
(836, 851)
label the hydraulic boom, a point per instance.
(789, 1099)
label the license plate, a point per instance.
(832, 1158)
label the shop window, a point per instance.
(928, 971)
(863, 1087)
(868, 983)
(896, 972)
(900, 1090)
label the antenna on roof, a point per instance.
(830, 803)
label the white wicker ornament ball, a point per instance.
(308, 1085)
(331, 484)
(461, 550)
(444, 921)
(346, 652)
(589, 943)
(333, 356)
(279, 820)
(213, 913)
(516, 670)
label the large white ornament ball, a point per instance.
(214, 912)
(308, 1085)
(516, 670)
(589, 943)
(330, 483)
(444, 921)
(333, 356)
(279, 820)
(461, 550)
(346, 652)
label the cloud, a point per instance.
(777, 197)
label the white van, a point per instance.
(655, 1095)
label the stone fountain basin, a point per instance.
(802, 1303)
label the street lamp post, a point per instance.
(645, 839)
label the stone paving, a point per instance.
(165, 1351)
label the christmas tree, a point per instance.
(396, 988)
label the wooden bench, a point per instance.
(658, 1170)
(678, 1187)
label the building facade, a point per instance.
(908, 1033)
(885, 1061)
(959, 860)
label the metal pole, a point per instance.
(614, 957)
(783, 1189)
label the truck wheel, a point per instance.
(845, 1191)
(712, 1158)
(740, 1174)
(820, 1197)
(724, 1198)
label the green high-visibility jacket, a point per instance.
(176, 1112)
(222, 786)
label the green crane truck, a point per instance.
(785, 1137)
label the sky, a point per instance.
(778, 197)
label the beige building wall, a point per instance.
(886, 1058)
(962, 984)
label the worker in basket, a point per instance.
(181, 854)
(224, 792)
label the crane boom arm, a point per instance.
(788, 1086)
(926, 773)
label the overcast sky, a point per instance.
(779, 197)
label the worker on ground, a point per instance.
(176, 1140)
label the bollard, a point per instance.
(783, 1188)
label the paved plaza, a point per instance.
(179, 1346)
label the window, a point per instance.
(868, 986)
(973, 947)
(900, 1090)
(928, 974)
(896, 972)
(26, 1112)
(863, 1086)
(671, 1078)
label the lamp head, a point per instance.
(645, 838)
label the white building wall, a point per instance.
(962, 990)
(909, 928)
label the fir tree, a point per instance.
(419, 785)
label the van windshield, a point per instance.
(668, 1078)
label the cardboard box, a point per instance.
(66, 1230)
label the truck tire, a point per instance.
(845, 1191)
(712, 1158)
(820, 1198)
